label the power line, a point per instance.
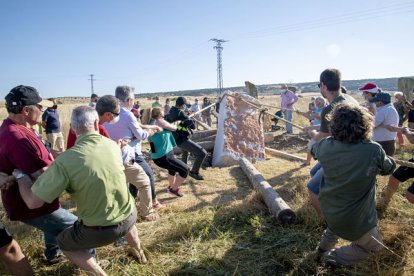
(219, 48)
(92, 79)
(363, 15)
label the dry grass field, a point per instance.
(221, 227)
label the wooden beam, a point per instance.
(277, 206)
(208, 146)
(278, 153)
(205, 139)
(203, 125)
(203, 133)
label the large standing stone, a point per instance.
(239, 132)
(251, 89)
(406, 85)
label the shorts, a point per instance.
(388, 146)
(404, 173)
(411, 116)
(315, 182)
(81, 237)
(5, 237)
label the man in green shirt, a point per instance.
(330, 86)
(351, 162)
(93, 174)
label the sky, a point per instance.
(159, 46)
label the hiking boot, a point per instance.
(196, 176)
(139, 255)
(319, 254)
(151, 217)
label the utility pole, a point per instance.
(92, 79)
(219, 48)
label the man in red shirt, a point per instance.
(23, 149)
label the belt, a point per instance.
(99, 227)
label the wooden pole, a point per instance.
(201, 110)
(207, 145)
(203, 133)
(205, 139)
(203, 125)
(279, 153)
(277, 206)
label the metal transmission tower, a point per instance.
(219, 48)
(92, 79)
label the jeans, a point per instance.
(195, 149)
(288, 115)
(141, 161)
(51, 225)
(317, 175)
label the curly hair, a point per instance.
(350, 123)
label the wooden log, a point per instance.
(201, 110)
(277, 206)
(283, 154)
(207, 145)
(203, 133)
(204, 139)
(203, 125)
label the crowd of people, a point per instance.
(103, 160)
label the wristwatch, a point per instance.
(20, 175)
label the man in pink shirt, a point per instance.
(289, 98)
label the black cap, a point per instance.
(181, 101)
(25, 95)
(94, 95)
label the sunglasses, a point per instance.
(115, 114)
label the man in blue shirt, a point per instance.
(51, 123)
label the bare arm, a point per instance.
(166, 125)
(408, 134)
(25, 184)
(318, 135)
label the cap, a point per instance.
(25, 95)
(369, 87)
(181, 101)
(94, 95)
(381, 97)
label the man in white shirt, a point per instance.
(386, 116)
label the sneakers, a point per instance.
(175, 192)
(120, 242)
(196, 176)
(56, 259)
(151, 217)
(328, 259)
(139, 255)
